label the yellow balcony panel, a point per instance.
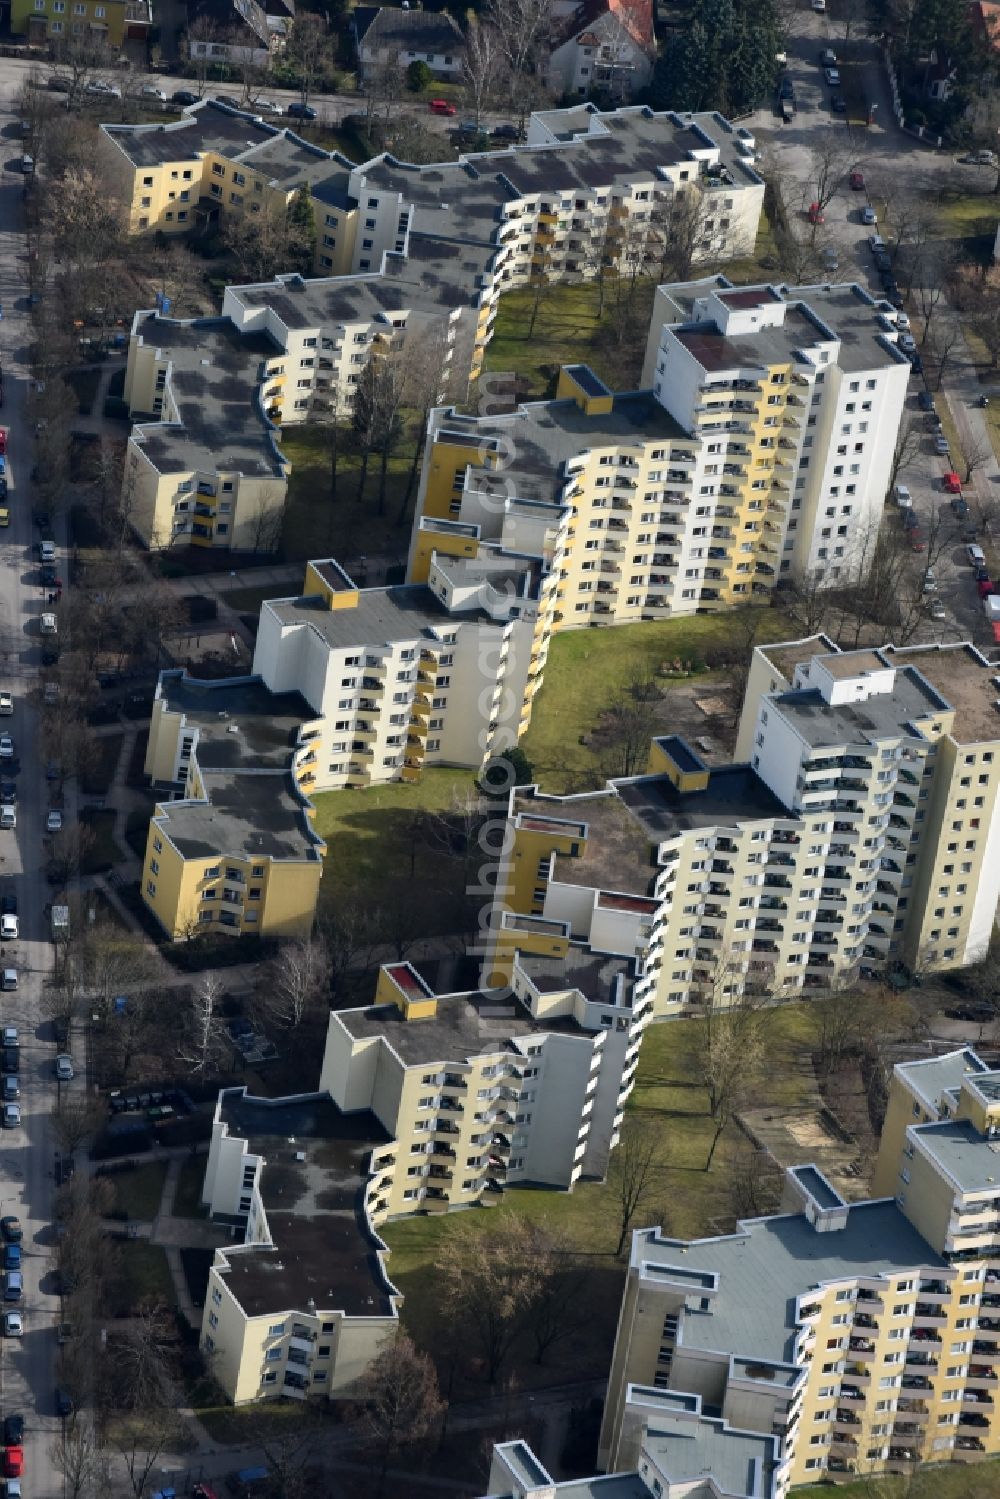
(410, 773)
(421, 707)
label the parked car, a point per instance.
(64, 1068)
(301, 111)
(978, 159)
(13, 1430)
(828, 59)
(6, 747)
(975, 555)
(11, 1115)
(925, 400)
(838, 104)
(815, 214)
(9, 928)
(930, 581)
(832, 77)
(856, 181)
(941, 444)
(882, 261)
(150, 91)
(184, 96)
(10, 1227)
(13, 1324)
(937, 610)
(951, 483)
(831, 260)
(64, 1403)
(917, 543)
(13, 1462)
(441, 107)
(54, 821)
(868, 215)
(903, 497)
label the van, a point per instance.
(8, 817)
(47, 551)
(976, 555)
(48, 624)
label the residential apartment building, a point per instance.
(404, 677)
(587, 185)
(682, 1455)
(863, 1336)
(862, 830)
(733, 472)
(426, 1102)
(483, 1089)
(230, 848)
(300, 1303)
(95, 23)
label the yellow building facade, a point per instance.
(108, 23)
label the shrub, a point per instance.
(418, 77)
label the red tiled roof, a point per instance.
(635, 15)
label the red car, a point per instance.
(441, 107)
(13, 1462)
(951, 483)
(816, 214)
(917, 544)
(857, 181)
(985, 587)
(3, 439)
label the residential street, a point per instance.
(27, 1366)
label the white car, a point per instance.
(9, 928)
(54, 822)
(819, 4)
(13, 1324)
(907, 343)
(98, 86)
(6, 702)
(264, 107)
(831, 260)
(10, 1035)
(6, 747)
(11, 1115)
(902, 321)
(64, 1068)
(903, 497)
(940, 446)
(937, 610)
(150, 91)
(876, 243)
(930, 581)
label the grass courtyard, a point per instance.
(323, 520)
(585, 668)
(687, 1200)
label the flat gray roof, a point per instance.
(966, 1155)
(323, 1250)
(239, 723)
(769, 1262)
(207, 126)
(618, 853)
(383, 616)
(734, 794)
(934, 1076)
(688, 1450)
(253, 814)
(463, 1026)
(215, 378)
(600, 977)
(882, 715)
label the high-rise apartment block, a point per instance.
(857, 833)
(426, 1101)
(759, 449)
(862, 1336)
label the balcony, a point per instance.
(862, 1349)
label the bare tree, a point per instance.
(909, 441)
(523, 30)
(627, 725)
(399, 1401)
(732, 1046)
(486, 1282)
(299, 979)
(83, 1463)
(977, 450)
(940, 347)
(754, 1184)
(633, 1173)
(310, 49)
(202, 1043)
(74, 1120)
(481, 66)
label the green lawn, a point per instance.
(687, 1200)
(378, 858)
(345, 526)
(138, 1191)
(567, 330)
(187, 1198)
(935, 1481)
(586, 667)
(144, 1277)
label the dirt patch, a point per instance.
(802, 1137)
(695, 715)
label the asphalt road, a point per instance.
(27, 1366)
